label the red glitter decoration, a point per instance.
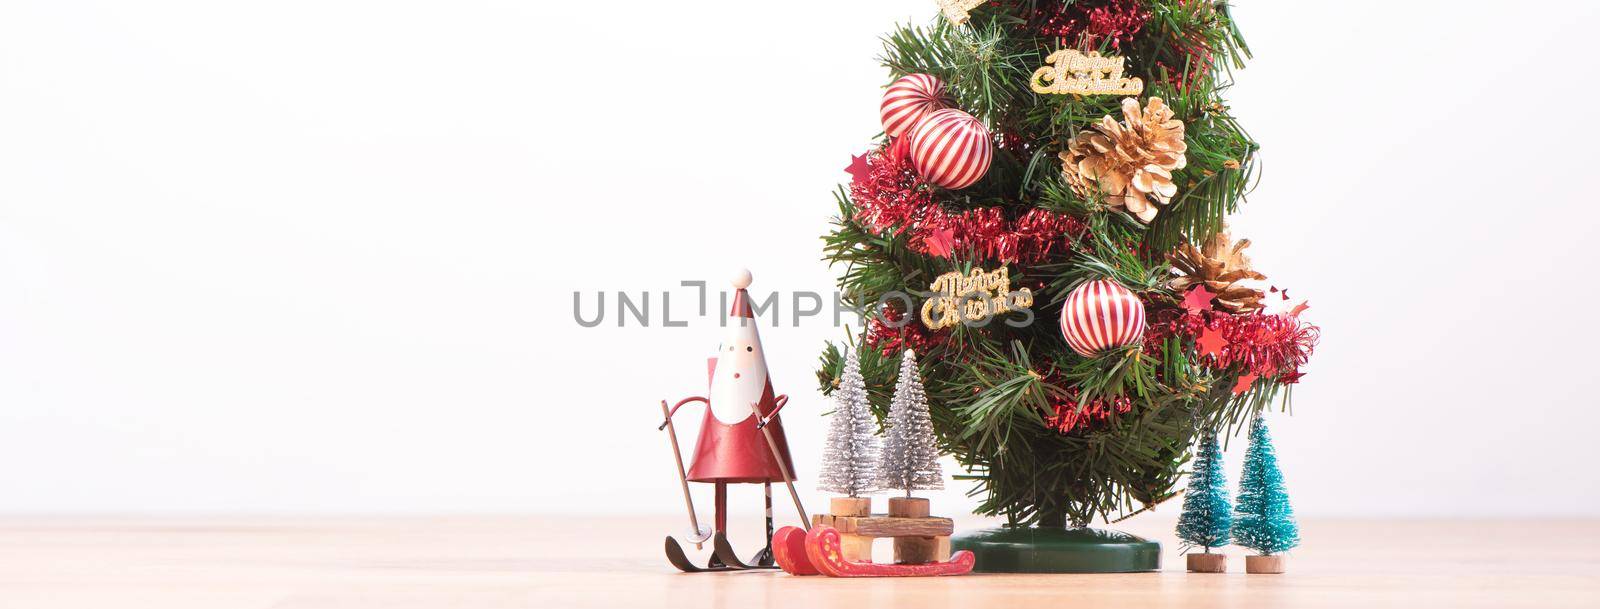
(888, 339)
(1013, 142)
(1073, 413)
(1087, 23)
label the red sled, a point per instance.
(826, 553)
(789, 549)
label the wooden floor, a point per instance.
(544, 562)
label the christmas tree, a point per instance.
(849, 463)
(1263, 519)
(910, 458)
(1206, 518)
(1069, 143)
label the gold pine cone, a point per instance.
(1220, 265)
(1131, 161)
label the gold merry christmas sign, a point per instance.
(956, 10)
(972, 298)
(1076, 73)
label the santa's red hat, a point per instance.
(741, 298)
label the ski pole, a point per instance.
(683, 478)
(788, 480)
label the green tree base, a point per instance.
(1058, 550)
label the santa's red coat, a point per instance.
(739, 452)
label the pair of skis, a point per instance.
(723, 557)
(820, 552)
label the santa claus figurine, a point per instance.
(741, 440)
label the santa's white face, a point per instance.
(741, 374)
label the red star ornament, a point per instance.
(858, 168)
(1198, 299)
(1244, 383)
(941, 242)
(1211, 343)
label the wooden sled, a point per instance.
(825, 549)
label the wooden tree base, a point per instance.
(1265, 564)
(850, 506)
(1208, 563)
(908, 507)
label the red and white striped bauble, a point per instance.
(1099, 315)
(950, 148)
(908, 100)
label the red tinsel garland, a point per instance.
(893, 198)
(1030, 238)
(892, 195)
(1268, 346)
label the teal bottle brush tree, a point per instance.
(1263, 518)
(1206, 517)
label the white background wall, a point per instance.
(320, 256)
